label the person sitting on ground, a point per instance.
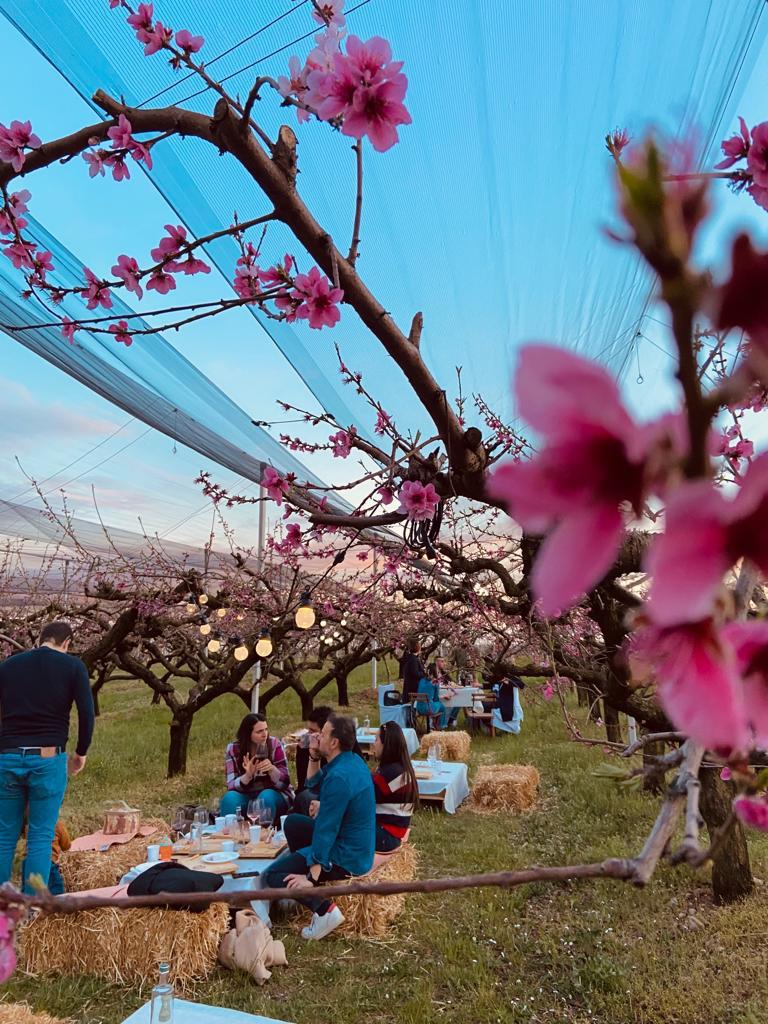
(339, 841)
(256, 767)
(61, 843)
(395, 785)
(309, 760)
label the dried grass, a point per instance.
(22, 1013)
(454, 746)
(505, 787)
(91, 869)
(125, 946)
(369, 916)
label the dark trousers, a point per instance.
(385, 841)
(298, 829)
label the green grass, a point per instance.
(576, 952)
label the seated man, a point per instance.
(340, 841)
(309, 761)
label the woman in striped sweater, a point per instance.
(394, 783)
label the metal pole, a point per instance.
(631, 729)
(262, 528)
(256, 688)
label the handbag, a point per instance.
(392, 699)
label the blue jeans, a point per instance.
(35, 784)
(232, 800)
(56, 885)
(437, 712)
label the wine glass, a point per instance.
(267, 816)
(179, 825)
(433, 755)
(201, 820)
(262, 752)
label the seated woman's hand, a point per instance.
(263, 767)
(314, 807)
(249, 765)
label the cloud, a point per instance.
(28, 418)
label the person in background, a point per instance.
(61, 843)
(339, 841)
(412, 669)
(256, 766)
(37, 691)
(395, 786)
(438, 672)
(309, 761)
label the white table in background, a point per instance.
(450, 776)
(197, 1013)
(365, 739)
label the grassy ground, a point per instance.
(573, 953)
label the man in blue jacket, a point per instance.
(37, 691)
(339, 842)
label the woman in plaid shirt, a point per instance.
(256, 766)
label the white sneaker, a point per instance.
(322, 925)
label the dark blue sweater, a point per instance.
(37, 691)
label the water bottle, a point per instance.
(366, 723)
(161, 1011)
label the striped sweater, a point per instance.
(394, 799)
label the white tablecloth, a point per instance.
(462, 697)
(450, 776)
(411, 739)
(196, 1013)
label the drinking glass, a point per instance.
(255, 807)
(201, 820)
(433, 755)
(267, 815)
(179, 825)
(262, 752)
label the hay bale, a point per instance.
(125, 946)
(22, 1013)
(454, 746)
(505, 787)
(90, 869)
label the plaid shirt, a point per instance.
(233, 769)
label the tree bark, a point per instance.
(612, 724)
(342, 685)
(653, 783)
(181, 726)
(731, 871)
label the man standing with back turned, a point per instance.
(37, 691)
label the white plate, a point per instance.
(220, 858)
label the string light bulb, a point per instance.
(264, 644)
(305, 613)
(221, 612)
(203, 599)
(191, 607)
(205, 629)
(344, 622)
(214, 645)
(240, 652)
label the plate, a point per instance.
(220, 858)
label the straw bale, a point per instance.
(125, 946)
(454, 746)
(91, 869)
(505, 787)
(369, 916)
(22, 1013)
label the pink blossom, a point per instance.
(330, 12)
(21, 254)
(8, 921)
(616, 142)
(68, 328)
(726, 774)
(97, 293)
(140, 152)
(280, 273)
(318, 300)
(743, 299)
(736, 147)
(417, 500)
(160, 282)
(385, 495)
(187, 42)
(760, 195)
(704, 535)
(328, 43)
(596, 460)
(341, 443)
(14, 140)
(127, 269)
(120, 133)
(749, 643)
(141, 21)
(274, 484)
(191, 266)
(246, 283)
(170, 243)
(120, 171)
(752, 811)
(157, 39)
(548, 691)
(366, 89)
(10, 213)
(121, 333)
(295, 85)
(757, 159)
(95, 161)
(383, 420)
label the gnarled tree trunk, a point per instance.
(181, 726)
(342, 686)
(612, 724)
(731, 871)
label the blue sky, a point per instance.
(489, 216)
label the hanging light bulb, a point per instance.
(344, 622)
(203, 599)
(264, 644)
(323, 623)
(221, 612)
(205, 629)
(214, 645)
(305, 613)
(240, 652)
(239, 616)
(191, 607)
